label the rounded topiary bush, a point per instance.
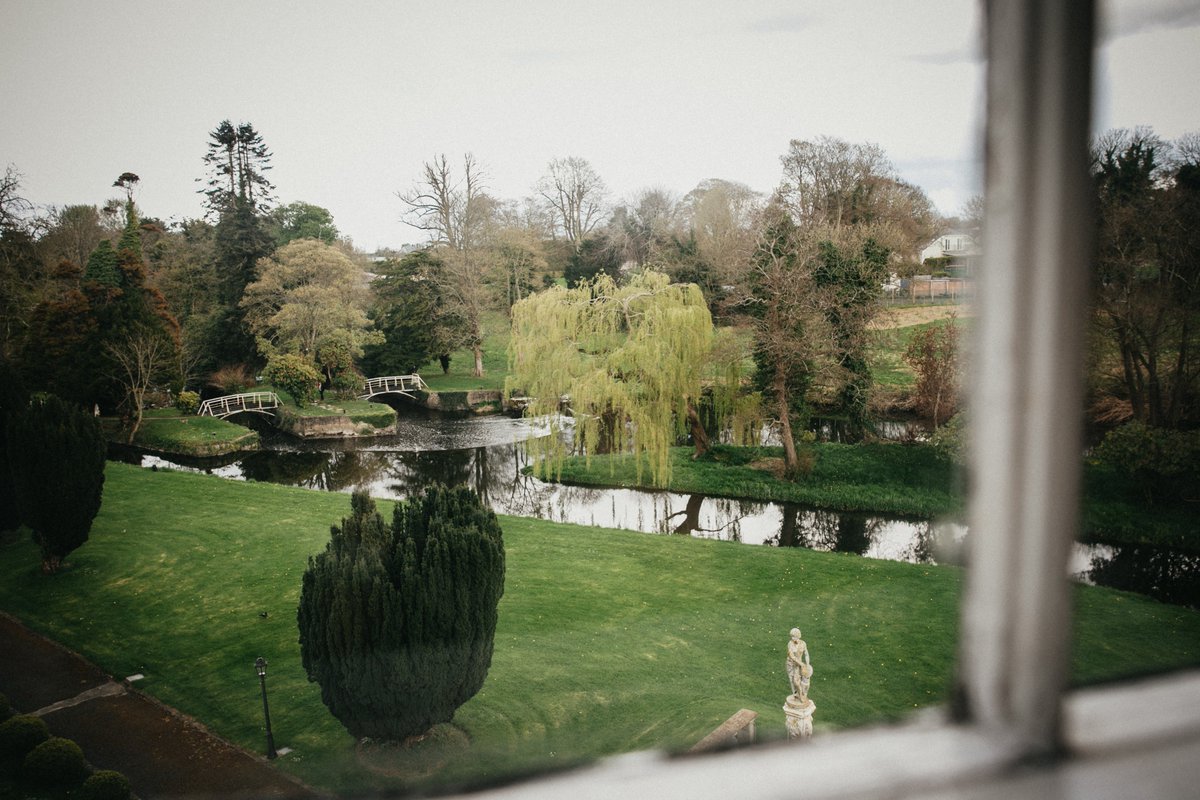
(56, 762)
(105, 784)
(19, 735)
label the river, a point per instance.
(486, 454)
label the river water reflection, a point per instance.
(486, 454)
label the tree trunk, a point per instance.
(699, 435)
(791, 462)
(1130, 371)
(1179, 380)
(478, 371)
(137, 415)
(606, 435)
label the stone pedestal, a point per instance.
(798, 715)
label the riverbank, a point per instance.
(165, 431)
(883, 478)
(608, 641)
(887, 478)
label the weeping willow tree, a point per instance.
(630, 361)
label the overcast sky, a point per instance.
(352, 97)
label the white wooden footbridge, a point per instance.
(267, 402)
(258, 402)
(393, 384)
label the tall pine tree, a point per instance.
(239, 194)
(397, 624)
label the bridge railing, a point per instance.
(233, 403)
(393, 383)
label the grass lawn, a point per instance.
(166, 429)
(608, 641)
(886, 353)
(496, 330)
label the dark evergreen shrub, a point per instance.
(397, 624)
(13, 400)
(56, 461)
(55, 763)
(1162, 464)
(105, 784)
(19, 735)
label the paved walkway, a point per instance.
(164, 753)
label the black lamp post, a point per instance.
(260, 665)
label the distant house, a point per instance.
(952, 251)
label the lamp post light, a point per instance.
(260, 666)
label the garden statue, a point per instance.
(799, 668)
(798, 708)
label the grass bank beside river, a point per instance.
(883, 478)
(165, 430)
(886, 478)
(608, 641)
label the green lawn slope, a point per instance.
(608, 641)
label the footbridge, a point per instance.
(259, 402)
(394, 384)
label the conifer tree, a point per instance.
(397, 624)
(102, 265)
(132, 309)
(13, 400)
(56, 464)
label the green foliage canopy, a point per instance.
(631, 359)
(102, 265)
(410, 314)
(295, 375)
(301, 220)
(310, 300)
(397, 624)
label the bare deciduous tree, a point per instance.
(720, 215)
(141, 358)
(13, 206)
(458, 214)
(830, 183)
(792, 334)
(640, 229)
(575, 194)
(454, 210)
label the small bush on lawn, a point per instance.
(56, 763)
(187, 402)
(19, 735)
(105, 785)
(232, 379)
(295, 375)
